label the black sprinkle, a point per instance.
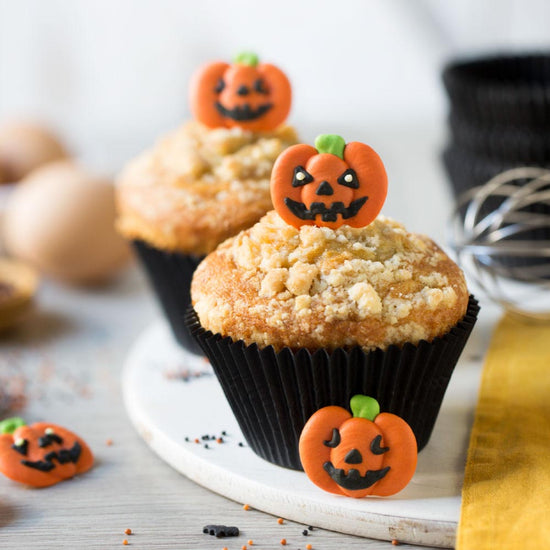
(205, 437)
(206, 446)
(241, 444)
(224, 432)
(221, 440)
(310, 528)
(305, 532)
(221, 531)
(186, 439)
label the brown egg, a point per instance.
(25, 146)
(61, 220)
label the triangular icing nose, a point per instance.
(324, 189)
(353, 457)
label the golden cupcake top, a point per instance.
(197, 186)
(319, 287)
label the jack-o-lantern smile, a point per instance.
(364, 454)
(330, 184)
(243, 112)
(353, 480)
(42, 454)
(254, 96)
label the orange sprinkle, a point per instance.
(197, 440)
(395, 542)
(127, 531)
(224, 548)
(246, 507)
(283, 542)
(219, 440)
(280, 521)
(125, 542)
(250, 542)
(108, 442)
(243, 547)
(308, 547)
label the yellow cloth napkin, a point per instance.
(506, 494)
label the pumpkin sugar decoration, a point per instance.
(42, 454)
(367, 453)
(248, 94)
(330, 184)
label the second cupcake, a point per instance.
(207, 180)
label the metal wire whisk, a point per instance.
(500, 232)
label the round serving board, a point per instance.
(171, 395)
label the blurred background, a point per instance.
(111, 76)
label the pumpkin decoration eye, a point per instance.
(49, 438)
(260, 87)
(375, 447)
(335, 440)
(329, 185)
(220, 86)
(367, 453)
(20, 446)
(301, 177)
(349, 179)
(41, 454)
(251, 95)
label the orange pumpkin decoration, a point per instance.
(42, 454)
(365, 454)
(254, 96)
(330, 184)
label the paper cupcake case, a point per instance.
(509, 89)
(170, 275)
(512, 144)
(273, 394)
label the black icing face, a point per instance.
(243, 100)
(353, 480)
(49, 460)
(325, 199)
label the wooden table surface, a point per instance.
(69, 355)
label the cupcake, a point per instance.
(207, 180)
(322, 300)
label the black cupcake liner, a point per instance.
(273, 394)
(499, 143)
(466, 169)
(170, 275)
(501, 89)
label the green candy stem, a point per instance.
(246, 58)
(9, 425)
(330, 143)
(363, 406)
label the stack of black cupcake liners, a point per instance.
(499, 119)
